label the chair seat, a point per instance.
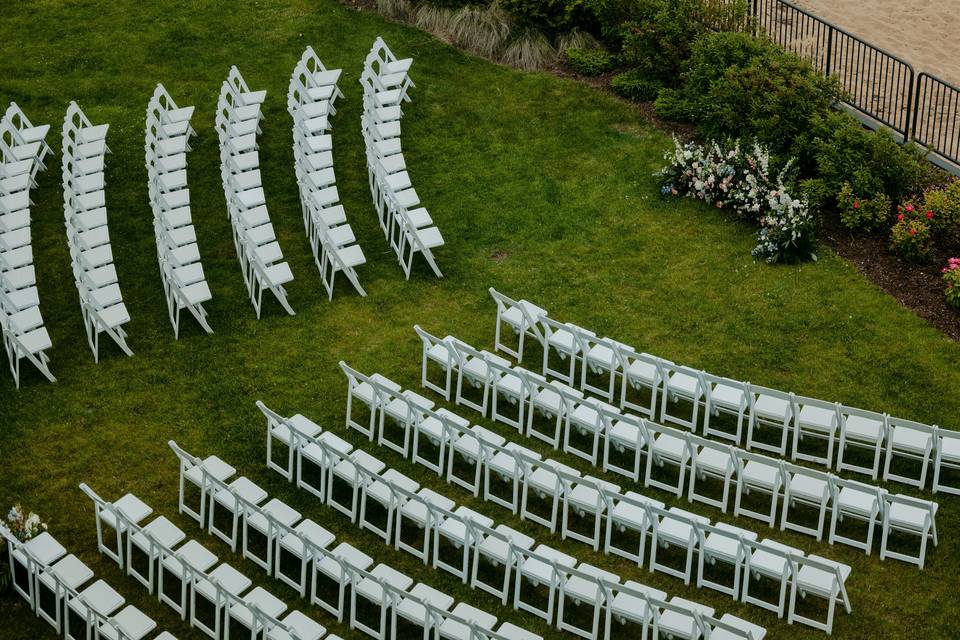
(772, 407)
(626, 606)
(497, 549)
(511, 385)
(505, 465)
(131, 622)
(819, 581)
(852, 500)
(684, 384)
(162, 530)
(346, 469)
(586, 497)
(726, 547)
(100, 597)
(950, 449)
(346, 553)
(214, 466)
(717, 461)
(243, 488)
(643, 371)
(624, 433)
(908, 517)
(670, 446)
(193, 554)
(816, 418)
(755, 630)
(810, 487)
(303, 627)
(278, 510)
(455, 529)
(683, 625)
(370, 588)
(540, 572)
(132, 507)
(417, 511)
(70, 571)
(679, 530)
(563, 341)
(300, 424)
(629, 515)
(765, 562)
(379, 491)
(228, 578)
(728, 396)
(760, 474)
(458, 631)
(412, 610)
(544, 479)
(514, 315)
(912, 440)
(602, 357)
(306, 530)
(263, 600)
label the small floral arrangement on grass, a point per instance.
(912, 236)
(951, 278)
(741, 180)
(23, 527)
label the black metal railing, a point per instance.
(876, 83)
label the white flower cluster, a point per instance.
(741, 180)
(22, 525)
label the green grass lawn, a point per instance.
(542, 188)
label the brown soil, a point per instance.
(919, 287)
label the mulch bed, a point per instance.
(917, 287)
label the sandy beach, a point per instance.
(926, 33)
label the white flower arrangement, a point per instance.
(741, 180)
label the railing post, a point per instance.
(908, 129)
(829, 61)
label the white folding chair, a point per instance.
(721, 543)
(543, 490)
(770, 409)
(522, 317)
(724, 396)
(714, 461)
(334, 574)
(630, 517)
(758, 473)
(543, 570)
(500, 551)
(674, 528)
(865, 430)
(771, 560)
(817, 420)
(375, 591)
(600, 360)
(437, 351)
(390, 492)
(904, 514)
(590, 586)
(681, 384)
(911, 440)
(560, 339)
(814, 575)
(591, 500)
(807, 487)
(857, 501)
(474, 448)
(946, 458)
(627, 439)
(640, 371)
(667, 447)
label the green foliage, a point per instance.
(635, 85)
(945, 203)
(863, 213)
(590, 62)
(552, 17)
(911, 238)
(844, 152)
(482, 30)
(817, 193)
(529, 49)
(738, 86)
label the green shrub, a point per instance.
(842, 151)
(589, 62)
(945, 203)
(912, 239)
(862, 213)
(551, 17)
(635, 85)
(738, 86)
(658, 36)
(817, 194)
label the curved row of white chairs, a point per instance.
(22, 150)
(486, 556)
(166, 143)
(88, 237)
(405, 223)
(649, 385)
(589, 509)
(238, 123)
(591, 429)
(61, 590)
(310, 101)
(181, 574)
(322, 570)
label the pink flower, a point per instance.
(856, 205)
(913, 231)
(929, 215)
(910, 208)
(900, 217)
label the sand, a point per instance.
(926, 33)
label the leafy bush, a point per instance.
(911, 236)
(951, 278)
(862, 214)
(945, 203)
(657, 35)
(742, 180)
(552, 17)
(735, 85)
(589, 62)
(635, 85)
(841, 151)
